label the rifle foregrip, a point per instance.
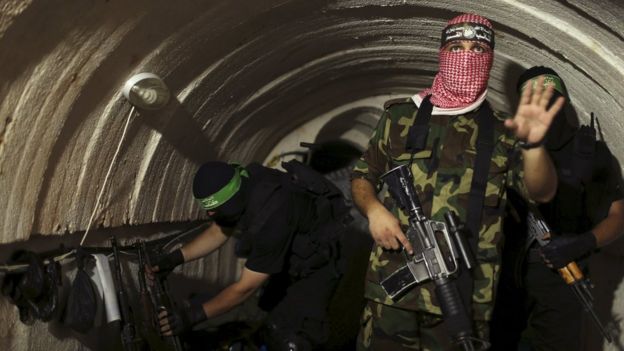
(576, 271)
(571, 273)
(566, 275)
(456, 319)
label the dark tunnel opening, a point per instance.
(332, 155)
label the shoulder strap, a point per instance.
(417, 135)
(320, 187)
(260, 206)
(309, 179)
(584, 152)
(417, 141)
(485, 146)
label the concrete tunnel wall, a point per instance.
(244, 75)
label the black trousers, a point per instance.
(545, 309)
(298, 309)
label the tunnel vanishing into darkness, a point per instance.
(249, 81)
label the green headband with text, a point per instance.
(224, 194)
(549, 79)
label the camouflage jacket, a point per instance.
(442, 176)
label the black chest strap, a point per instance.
(485, 147)
(418, 132)
(417, 141)
(262, 204)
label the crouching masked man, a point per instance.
(287, 226)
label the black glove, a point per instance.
(182, 319)
(281, 339)
(169, 261)
(564, 249)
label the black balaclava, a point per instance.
(560, 131)
(212, 177)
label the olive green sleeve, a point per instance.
(373, 162)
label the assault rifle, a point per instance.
(158, 298)
(436, 257)
(129, 338)
(571, 274)
(149, 328)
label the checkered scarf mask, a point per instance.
(463, 76)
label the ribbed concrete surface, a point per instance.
(245, 74)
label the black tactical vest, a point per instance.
(319, 214)
(582, 168)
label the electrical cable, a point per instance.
(110, 168)
(18, 267)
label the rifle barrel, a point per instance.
(144, 296)
(128, 335)
(162, 301)
(585, 299)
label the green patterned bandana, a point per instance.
(224, 194)
(549, 79)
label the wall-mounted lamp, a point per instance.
(146, 91)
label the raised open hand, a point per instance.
(533, 117)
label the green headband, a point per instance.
(224, 194)
(549, 79)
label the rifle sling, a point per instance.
(416, 141)
(417, 134)
(485, 147)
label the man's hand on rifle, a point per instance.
(180, 320)
(563, 249)
(164, 265)
(386, 230)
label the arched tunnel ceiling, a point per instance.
(244, 74)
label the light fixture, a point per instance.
(146, 90)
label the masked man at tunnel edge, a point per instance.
(587, 212)
(287, 226)
(454, 112)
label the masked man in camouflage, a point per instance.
(454, 111)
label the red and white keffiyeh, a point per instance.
(463, 76)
